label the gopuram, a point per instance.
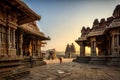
(70, 51)
(20, 38)
(104, 36)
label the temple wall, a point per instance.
(8, 25)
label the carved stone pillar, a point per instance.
(82, 49)
(8, 41)
(30, 49)
(14, 38)
(93, 47)
(113, 47)
(38, 47)
(117, 53)
(0, 37)
(99, 51)
(0, 41)
(21, 42)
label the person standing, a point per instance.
(60, 59)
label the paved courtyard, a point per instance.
(72, 71)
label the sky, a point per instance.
(62, 20)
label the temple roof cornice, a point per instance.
(26, 14)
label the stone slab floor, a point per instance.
(73, 71)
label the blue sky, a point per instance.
(62, 20)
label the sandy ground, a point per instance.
(72, 71)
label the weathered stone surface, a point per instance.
(12, 68)
(114, 61)
(74, 71)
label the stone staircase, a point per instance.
(12, 68)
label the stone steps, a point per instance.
(100, 60)
(36, 62)
(82, 59)
(11, 68)
(114, 61)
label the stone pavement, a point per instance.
(73, 71)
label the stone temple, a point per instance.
(104, 36)
(70, 51)
(20, 38)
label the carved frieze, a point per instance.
(115, 23)
(8, 19)
(12, 20)
(2, 18)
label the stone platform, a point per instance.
(114, 61)
(99, 60)
(12, 67)
(83, 59)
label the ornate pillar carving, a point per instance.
(37, 47)
(0, 40)
(112, 47)
(93, 47)
(0, 36)
(92, 51)
(39, 51)
(30, 49)
(82, 49)
(14, 38)
(117, 40)
(21, 42)
(8, 41)
(117, 44)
